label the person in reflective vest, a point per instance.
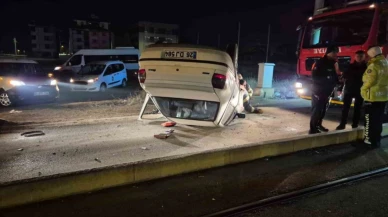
(375, 93)
(246, 99)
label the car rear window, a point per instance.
(20, 69)
(188, 109)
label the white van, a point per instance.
(129, 56)
(190, 84)
(98, 76)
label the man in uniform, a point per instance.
(353, 83)
(375, 93)
(325, 78)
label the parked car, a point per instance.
(190, 84)
(98, 76)
(24, 80)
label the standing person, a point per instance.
(353, 83)
(325, 78)
(375, 93)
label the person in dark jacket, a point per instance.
(353, 83)
(325, 79)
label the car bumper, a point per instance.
(33, 93)
(94, 87)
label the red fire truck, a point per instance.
(353, 26)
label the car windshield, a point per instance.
(21, 69)
(93, 69)
(350, 28)
(188, 109)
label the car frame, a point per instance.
(107, 74)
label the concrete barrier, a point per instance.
(50, 187)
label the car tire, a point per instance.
(124, 83)
(4, 99)
(103, 88)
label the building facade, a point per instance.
(151, 33)
(44, 41)
(91, 34)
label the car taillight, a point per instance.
(218, 81)
(142, 75)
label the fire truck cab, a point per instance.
(352, 26)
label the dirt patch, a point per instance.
(76, 112)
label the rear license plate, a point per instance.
(180, 54)
(41, 93)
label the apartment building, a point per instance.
(151, 33)
(44, 41)
(90, 34)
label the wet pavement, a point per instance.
(205, 192)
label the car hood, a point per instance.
(33, 80)
(84, 77)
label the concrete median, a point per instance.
(50, 187)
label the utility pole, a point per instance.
(14, 41)
(198, 38)
(238, 45)
(269, 32)
(318, 5)
(238, 36)
(219, 40)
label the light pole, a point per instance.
(14, 41)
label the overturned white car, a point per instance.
(190, 84)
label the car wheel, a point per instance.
(103, 88)
(124, 83)
(4, 99)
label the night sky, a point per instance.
(206, 17)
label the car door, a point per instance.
(122, 73)
(117, 75)
(108, 76)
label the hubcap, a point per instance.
(4, 99)
(124, 83)
(103, 88)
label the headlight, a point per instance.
(298, 85)
(50, 75)
(71, 80)
(17, 83)
(53, 82)
(301, 91)
(57, 68)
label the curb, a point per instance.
(51, 187)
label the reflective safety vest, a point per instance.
(375, 78)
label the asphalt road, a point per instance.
(72, 146)
(205, 192)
